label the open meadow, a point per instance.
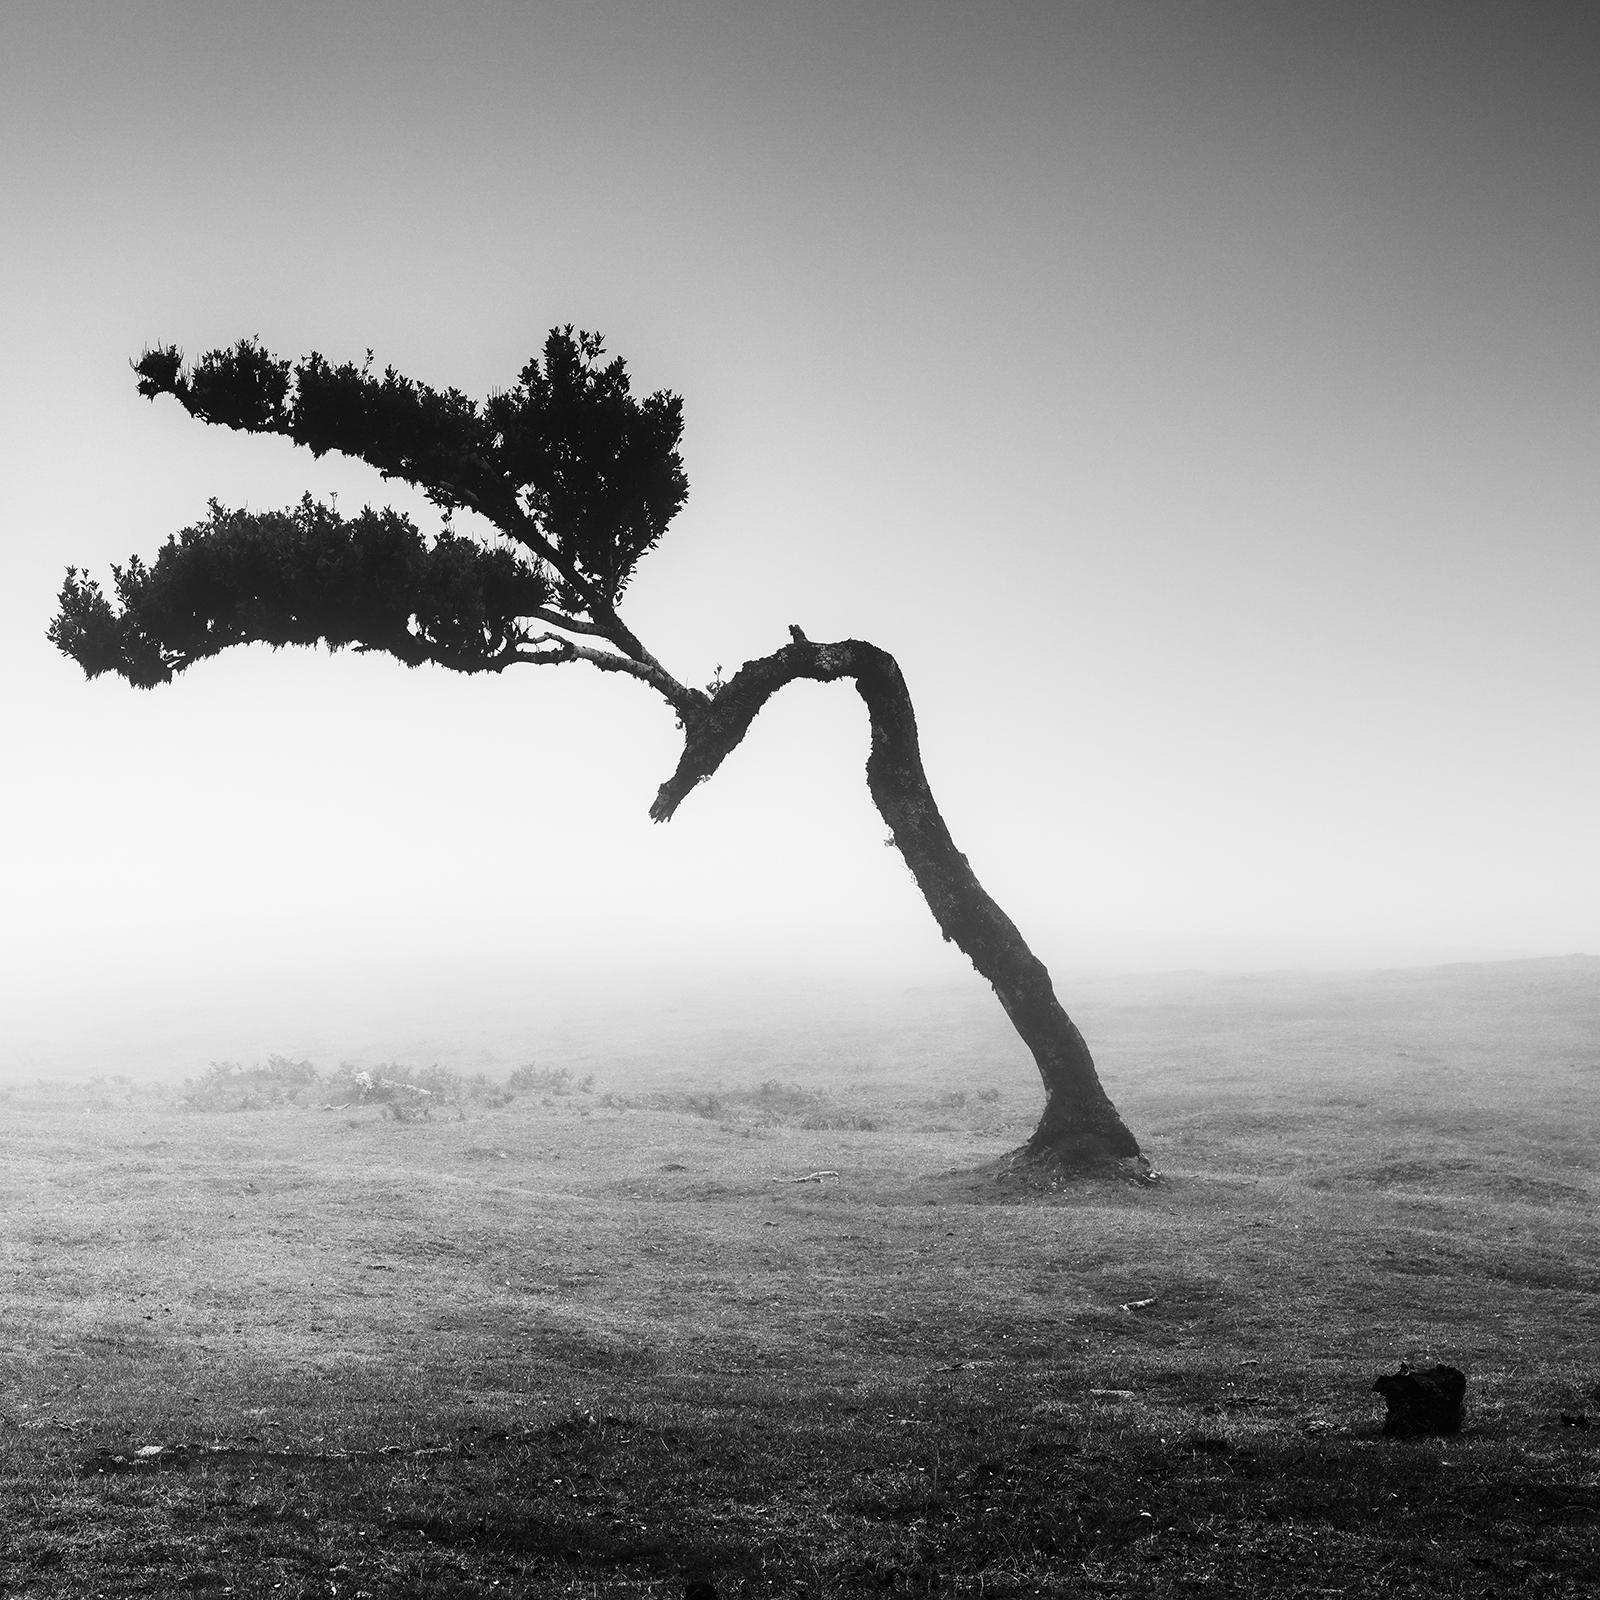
(731, 1310)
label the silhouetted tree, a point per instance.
(580, 479)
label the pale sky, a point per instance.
(1201, 401)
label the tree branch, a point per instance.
(500, 508)
(899, 786)
(689, 704)
(716, 732)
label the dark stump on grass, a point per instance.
(1422, 1400)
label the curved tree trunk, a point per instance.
(1080, 1129)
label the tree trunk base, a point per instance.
(1050, 1170)
(1082, 1132)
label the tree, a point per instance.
(578, 479)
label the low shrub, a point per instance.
(406, 1093)
(226, 1085)
(413, 1093)
(533, 1079)
(786, 1099)
(839, 1122)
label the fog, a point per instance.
(494, 1014)
(1198, 402)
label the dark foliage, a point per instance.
(567, 460)
(303, 576)
(598, 469)
(568, 464)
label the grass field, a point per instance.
(623, 1338)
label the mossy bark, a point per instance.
(1080, 1130)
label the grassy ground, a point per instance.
(610, 1341)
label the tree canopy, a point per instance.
(577, 474)
(303, 576)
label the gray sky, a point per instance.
(1200, 400)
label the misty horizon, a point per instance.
(493, 1017)
(1198, 404)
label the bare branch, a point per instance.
(712, 736)
(688, 703)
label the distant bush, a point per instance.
(408, 1094)
(225, 1085)
(532, 1079)
(710, 1106)
(786, 1099)
(404, 1092)
(393, 1088)
(840, 1122)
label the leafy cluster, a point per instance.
(302, 576)
(567, 461)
